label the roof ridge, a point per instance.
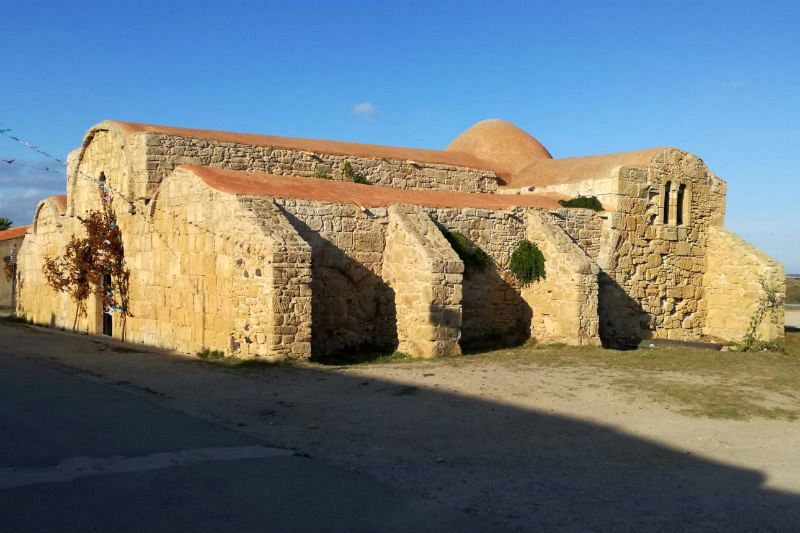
(243, 182)
(331, 147)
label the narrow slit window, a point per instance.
(667, 187)
(680, 204)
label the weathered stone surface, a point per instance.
(262, 277)
(9, 248)
(422, 269)
(564, 303)
(733, 287)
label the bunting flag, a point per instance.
(16, 163)
(33, 147)
(106, 189)
(107, 198)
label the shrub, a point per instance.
(351, 175)
(206, 353)
(583, 202)
(473, 257)
(89, 261)
(320, 175)
(527, 263)
(770, 302)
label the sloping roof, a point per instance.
(309, 145)
(493, 145)
(262, 184)
(60, 200)
(13, 233)
(546, 172)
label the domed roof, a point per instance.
(501, 144)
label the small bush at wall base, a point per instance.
(322, 175)
(472, 256)
(527, 263)
(351, 175)
(210, 354)
(583, 202)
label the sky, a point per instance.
(718, 78)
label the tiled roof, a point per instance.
(13, 233)
(262, 184)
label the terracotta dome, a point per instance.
(501, 144)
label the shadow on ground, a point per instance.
(534, 470)
(537, 471)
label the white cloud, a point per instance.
(365, 110)
(23, 184)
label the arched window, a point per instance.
(680, 203)
(667, 187)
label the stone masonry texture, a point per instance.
(264, 277)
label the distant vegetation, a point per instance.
(792, 291)
(583, 202)
(5, 223)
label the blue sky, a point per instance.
(719, 79)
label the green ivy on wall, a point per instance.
(474, 259)
(527, 263)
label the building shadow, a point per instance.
(528, 468)
(624, 324)
(494, 314)
(534, 470)
(352, 309)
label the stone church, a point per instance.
(269, 247)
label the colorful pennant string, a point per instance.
(107, 196)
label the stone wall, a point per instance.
(584, 227)
(493, 310)
(425, 274)
(123, 163)
(210, 270)
(165, 152)
(733, 287)
(651, 284)
(605, 188)
(352, 306)
(564, 303)
(36, 301)
(8, 248)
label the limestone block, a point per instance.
(415, 264)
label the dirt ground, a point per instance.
(559, 446)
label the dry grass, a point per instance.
(693, 381)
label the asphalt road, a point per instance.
(76, 455)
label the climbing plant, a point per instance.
(583, 202)
(87, 261)
(9, 268)
(351, 175)
(770, 301)
(320, 175)
(527, 263)
(474, 259)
